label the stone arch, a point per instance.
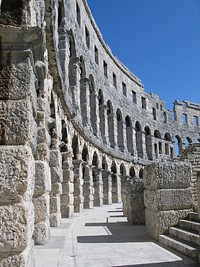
(83, 94)
(132, 172)
(157, 143)
(72, 44)
(141, 173)
(129, 134)
(92, 97)
(188, 141)
(101, 114)
(95, 159)
(168, 138)
(11, 12)
(122, 169)
(110, 120)
(120, 136)
(138, 137)
(75, 147)
(85, 155)
(64, 137)
(104, 163)
(178, 145)
(148, 142)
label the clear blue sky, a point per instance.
(158, 40)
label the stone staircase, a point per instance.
(184, 237)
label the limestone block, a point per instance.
(55, 219)
(15, 81)
(67, 199)
(56, 188)
(23, 259)
(16, 227)
(55, 158)
(167, 175)
(159, 222)
(42, 178)
(43, 136)
(42, 152)
(68, 188)
(168, 199)
(41, 205)
(16, 122)
(56, 175)
(17, 173)
(41, 232)
(68, 176)
(54, 203)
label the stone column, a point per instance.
(67, 197)
(168, 196)
(17, 166)
(134, 208)
(74, 78)
(107, 187)
(55, 164)
(116, 188)
(98, 187)
(84, 102)
(88, 189)
(78, 186)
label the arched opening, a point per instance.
(188, 141)
(95, 159)
(110, 123)
(141, 173)
(93, 113)
(168, 139)
(148, 142)
(129, 135)
(75, 147)
(64, 138)
(60, 12)
(157, 143)
(83, 92)
(132, 172)
(178, 145)
(101, 114)
(120, 136)
(138, 132)
(104, 164)
(85, 155)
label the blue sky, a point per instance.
(158, 40)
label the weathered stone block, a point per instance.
(159, 222)
(54, 203)
(16, 122)
(68, 188)
(55, 158)
(68, 176)
(23, 259)
(56, 175)
(56, 188)
(16, 227)
(167, 175)
(168, 199)
(42, 178)
(55, 219)
(41, 205)
(15, 80)
(17, 173)
(41, 232)
(67, 199)
(43, 136)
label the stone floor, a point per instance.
(102, 237)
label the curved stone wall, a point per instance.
(74, 122)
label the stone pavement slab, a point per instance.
(102, 237)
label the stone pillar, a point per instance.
(88, 189)
(134, 208)
(123, 189)
(17, 166)
(67, 197)
(98, 187)
(78, 186)
(116, 188)
(103, 123)
(84, 102)
(55, 164)
(167, 197)
(107, 187)
(74, 78)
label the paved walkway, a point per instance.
(102, 238)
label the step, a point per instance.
(183, 247)
(185, 235)
(190, 225)
(193, 216)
